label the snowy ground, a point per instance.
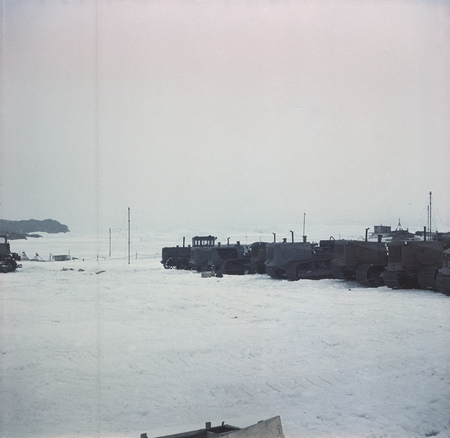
(112, 349)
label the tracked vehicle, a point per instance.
(189, 257)
(414, 264)
(8, 259)
(300, 260)
(258, 257)
(360, 260)
(443, 274)
(230, 259)
(176, 257)
(199, 256)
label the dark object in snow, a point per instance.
(210, 274)
(270, 428)
(61, 257)
(443, 274)
(37, 258)
(205, 256)
(363, 260)
(8, 259)
(179, 257)
(230, 259)
(360, 260)
(415, 264)
(300, 260)
(201, 246)
(176, 257)
(258, 257)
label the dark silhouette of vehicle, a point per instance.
(205, 256)
(230, 259)
(300, 260)
(201, 247)
(8, 259)
(176, 257)
(360, 260)
(402, 263)
(258, 257)
(414, 264)
(443, 274)
(208, 257)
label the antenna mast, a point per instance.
(430, 214)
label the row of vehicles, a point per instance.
(397, 259)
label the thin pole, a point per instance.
(430, 212)
(128, 235)
(110, 242)
(304, 220)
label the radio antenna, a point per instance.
(430, 213)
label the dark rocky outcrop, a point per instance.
(22, 229)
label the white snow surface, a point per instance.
(99, 347)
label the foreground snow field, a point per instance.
(105, 348)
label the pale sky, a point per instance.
(224, 113)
